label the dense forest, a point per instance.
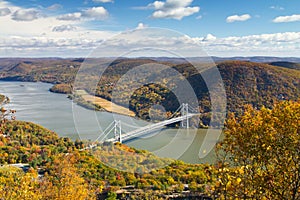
(58, 166)
(258, 84)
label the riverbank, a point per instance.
(88, 101)
(105, 104)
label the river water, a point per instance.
(35, 103)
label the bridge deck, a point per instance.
(146, 129)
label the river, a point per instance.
(35, 103)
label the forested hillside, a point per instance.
(245, 82)
(80, 174)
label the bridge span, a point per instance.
(116, 126)
(147, 129)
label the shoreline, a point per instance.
(108, 106)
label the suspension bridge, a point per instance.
(186, 112)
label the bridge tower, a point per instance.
(118, 130)
(184, 112)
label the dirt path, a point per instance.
(107, 105)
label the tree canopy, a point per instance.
(260, 154)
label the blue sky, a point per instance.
(223, 28)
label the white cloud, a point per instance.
(291, 18)
(48, 36)
(5, 4)
(70, 16)
(141, 26)
(26, 15)
(103, 1)
(80, 42)
(58, 44)
(173, 9)
(63, 28)
(4, 11)
(199, 17)
(277, 44)
(209, 37)
(277, 8)
(96, 13)
(234, 18)
(30, 23)
(55, 6)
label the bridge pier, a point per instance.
(185, 112)
(118, 130)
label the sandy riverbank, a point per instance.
(105, 104)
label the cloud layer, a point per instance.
(75, 42)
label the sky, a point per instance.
(77, 28)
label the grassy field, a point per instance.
(105, 104)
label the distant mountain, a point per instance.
(260, 59)
(290, 65)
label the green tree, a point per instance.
(111, 196)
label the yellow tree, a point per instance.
(64, 183)
(17, 185)
(260, 154)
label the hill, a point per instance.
(290, 65)
(259, 84)
(64, 166)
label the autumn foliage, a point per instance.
(258, 158)
(260, 154)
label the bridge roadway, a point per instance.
(145, 129)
